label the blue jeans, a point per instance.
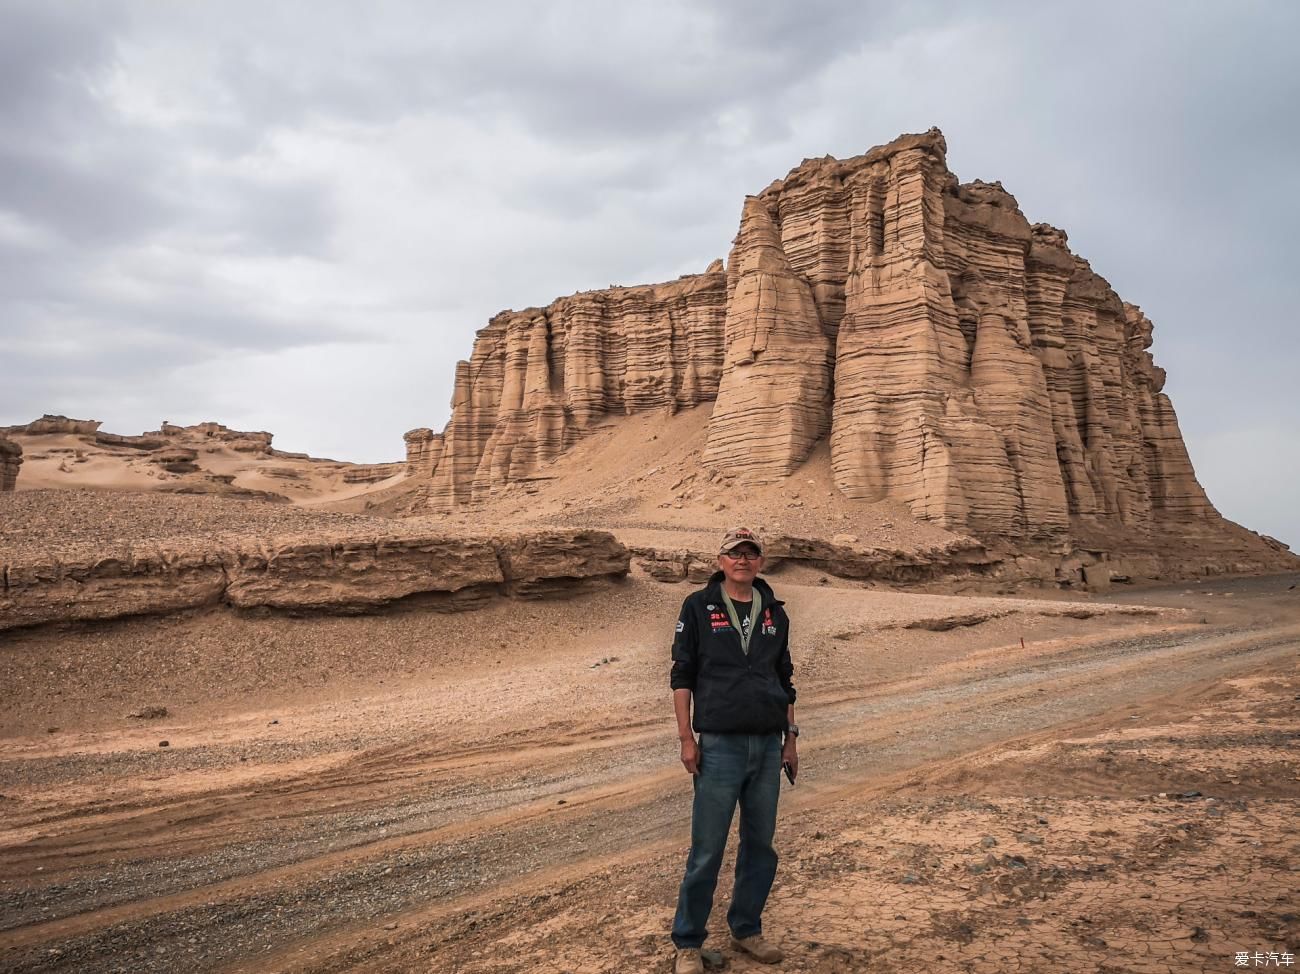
(734, 768)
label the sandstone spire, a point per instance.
(774, 398)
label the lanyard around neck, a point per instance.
(735, 619)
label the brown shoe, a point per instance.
(688, 962)
(758, 948)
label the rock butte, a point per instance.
(961, 360)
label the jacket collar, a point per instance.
(715, 589)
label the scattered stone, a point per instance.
(712, 958)
(148, 713)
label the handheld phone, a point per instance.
(789, 775)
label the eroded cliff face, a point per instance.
(539, 378)
(774, 397)
(984, 375)
(961, 360)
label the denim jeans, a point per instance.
(734, 768)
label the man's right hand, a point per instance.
(690, 755)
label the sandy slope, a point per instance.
(643, 472)
(72, 461)
(498, 791)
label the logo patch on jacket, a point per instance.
(681, 626)
(769, 627)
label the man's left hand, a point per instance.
(790, 755)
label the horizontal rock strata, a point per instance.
(539, 378)
(372, 473)
(423, 451)
(49, 425)
(340, 574)
(961, 558)
(237, 440)
(969, 565)
(984, 375)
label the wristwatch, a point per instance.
(793, 729)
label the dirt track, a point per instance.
(961, 797)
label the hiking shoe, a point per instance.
(758, 948)
(689, 961)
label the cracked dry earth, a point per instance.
(498, 792)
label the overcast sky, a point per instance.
(294, 216)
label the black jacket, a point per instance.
(734, 693)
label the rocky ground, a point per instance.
(498, 790)
(40, 524)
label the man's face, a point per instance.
(741, 563)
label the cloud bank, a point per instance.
(294, 216)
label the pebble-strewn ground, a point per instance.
(40, 523)
(961, 867)
(498, 791)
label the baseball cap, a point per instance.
(739, 536)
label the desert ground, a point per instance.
(987, 784)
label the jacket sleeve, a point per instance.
(686, 651)
(785, 666)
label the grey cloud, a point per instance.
(90, 204)
(590, 73)
(47, 54)
(611, 143)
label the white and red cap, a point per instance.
(739, 536)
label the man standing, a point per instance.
(731, 657)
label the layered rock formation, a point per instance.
(11, 458)
(50, 425)
(346, 573)
(206, 458)
(539, 378)
(423, 451)
(959, 559)
(984, 375)
(961, 360)
(372, 473)
(237, 440)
